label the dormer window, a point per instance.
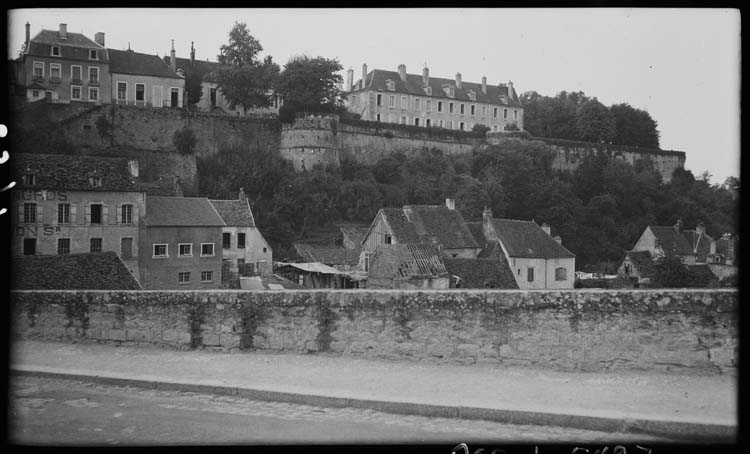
(472, 95)
(452, 92)
(391, 85)
(93, 54)
(95, 182)
(428, 90)
(55, 51)
(28, 180)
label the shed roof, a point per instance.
(330, 255)
(181, 212)
(72, 172)
(405, 261)
(136, 63)
(311, 267)
(527, 239)
(91, 271)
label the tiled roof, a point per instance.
(181, 211)
(671, 241)
(129, 62)
(72, 39)
(332, 255)
(643, 262)
(72, 172)
(355, 233)
(376, 80)
(391, 261)
(477, 231)
(482, 273)
(93, 271)
(430, 224)
(202, 68)
(69, 53)
(234, 213)
(527, 239)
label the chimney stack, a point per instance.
(349, 79)
(28, 36)
(243, 197)
(173, 58)
(547, 229)
(458, 80)
(63, 31)
(488, 229)
(426, 76)
(450, 203)
(192, 54)
(402, 72)
(364, 74)
(133, 167)
(510, 90)
(678, 225)
(484, 85)
(558, 239)
(99, 38)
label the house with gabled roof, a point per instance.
(407, 267)
(86, 271)
(423, 100)
(692, 246)
(352, 235)
(144, 80)
(638, 266)
(70, 204)
(536, 258)
(244, 249)
(179, 239)
(439, 225)
(61, 66)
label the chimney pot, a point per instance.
(364, 74)
(402, 71)
(450, 203)
(458, 80)
(547, 229)
(242, 195)
(510, 90)
(426, 76)
(63, 31)
(99, 38)
(349, 79)
(484, 85)
(28, 35)
(173, 58)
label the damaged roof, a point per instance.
(406, 261)
(429, 224)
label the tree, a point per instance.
(184, 140)
(310, 84)
(634, 127)
(669, 272)
(481, 129)
(594, 122)
(242, 48)
(193, 87)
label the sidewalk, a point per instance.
(680, 406)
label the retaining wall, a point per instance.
(692, 331)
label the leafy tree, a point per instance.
(594, 122)
(242, 48)
(480, 129)
(669, 272)
(553, 117)
(193, 88)
(634, 127)
(184, 140)
(310, 84)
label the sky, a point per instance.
(680, 65)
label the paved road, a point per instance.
(52, 411)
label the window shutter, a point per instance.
(20, 213)
(39, 215)
(55, 215)
(119, 213)
(88, 213)
(135, 214)
(105, 214)
(73, 213)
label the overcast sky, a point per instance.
(680, 65)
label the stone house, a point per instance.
(692, 246)
(407, 267)
(421, 100)
(440, 225)
(67, 204)
(179, 239)
(87, 271)
(144, 80)
(243, 247)
(536, 259)
(59, 66)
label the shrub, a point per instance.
(184, 140)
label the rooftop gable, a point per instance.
(234, 213)
(671, 241)
(527, 239)
(92, 271)
(74, 172)
(181, 212)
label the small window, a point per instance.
(122, 91)
(126, 214)
(379, 100)
(561, 274)
(207, 276)
(367, 263)
(207, 249)
(96, 244)
(515, 114)
(461, 126)
(29, 213)
(530, 274)
(56, 51)
(377, 117)
(428, 91)
(93, 54)
(34, 93)
(505, 113)
(404, 104)
(391, 101)
(95, 181)
(140, 90)
(450, 107)
(126, 248)
(461, 111)
(388, 239)
(75, 74)
(494, 112)
(63, 246)
(75, 92)
(185, 250)
(484, 111)
(38, 70)
(29, 180)
(428, 105)
(93, 75)
(403, 119)
(63, 213)
(440, 123)
(473, 110)
(29, 246)
(416, 121)
(96, 213)
(160, 250)
(226, 240)
(417, 104)
(427, 122)
(183, 277)
(265, 250)
(93, 94)
(440, 106)
(54, 72)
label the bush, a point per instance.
(511, 127)
(184, 140)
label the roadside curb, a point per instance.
(687, 431)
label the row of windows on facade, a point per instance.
(95, 245)
(55, 52)
(140, 91)
(561, 273)
(183, 277)
(226, 241)
(55, 73)
(448, 89)
(417, 106)
(417, 121)
(161, 250)
(96, 213)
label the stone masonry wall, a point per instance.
(692, 331)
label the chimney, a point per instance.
(487, 226)
(349, 79)
(63, 31)
(99, 38)
(28, 35)
(192, 54)
(558, 239)
(133, 167)
(402, 71)
(178, 187)
(678, 226)
(450, 204)
(173, 58)
(458, 80)
(426, 76)
(243, 197)
(364, 74)
(547, 229)
(510, 90)
(484, 85)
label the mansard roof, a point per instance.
(136, 63)
(73, 172)
(414, 85)
(527, 239)
(234, 213)
(181, 212)
(90, 271)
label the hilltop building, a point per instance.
(422, 100)
(144, 80)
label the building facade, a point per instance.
(180, 239)
(144, 80)
(76, 204)
(59, 66)
(421, 100)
